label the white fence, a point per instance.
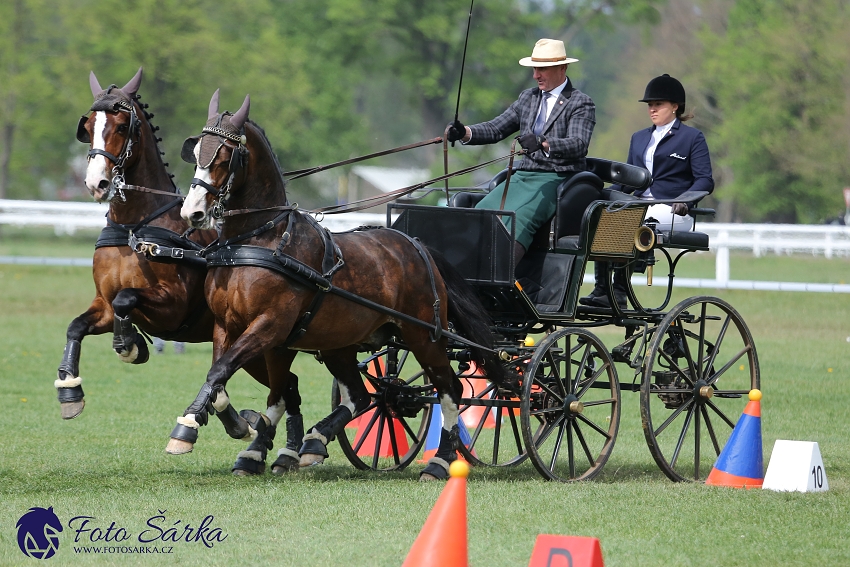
(760, 239)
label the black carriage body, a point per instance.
(547, 282)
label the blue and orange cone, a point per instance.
(443, 541)
(741, 462)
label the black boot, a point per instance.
(599, 296)
(600, 273)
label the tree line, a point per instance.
(332, 79)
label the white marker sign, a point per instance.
(795, 466)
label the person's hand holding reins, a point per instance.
(531, 142)
(455, 131)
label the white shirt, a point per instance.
(649, 156)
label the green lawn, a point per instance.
(109, 463)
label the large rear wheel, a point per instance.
(699, 367)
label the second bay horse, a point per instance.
(269, 281)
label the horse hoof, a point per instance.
(178, 447)
(425, 477)
(129, 357)
(309, 460)
(285, 464)
(70, 410)
(242, 472)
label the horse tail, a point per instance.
(470, 319)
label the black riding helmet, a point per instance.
(665, 87)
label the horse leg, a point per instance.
(127, 342)
(68, 384)
(212, 398)
(353, 398)
(437, 467)
(288, 402)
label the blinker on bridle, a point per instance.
(109, 102)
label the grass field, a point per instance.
(109, 463)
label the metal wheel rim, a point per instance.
(686, 440)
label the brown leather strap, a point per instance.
(142, 189)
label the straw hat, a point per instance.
(547, 53)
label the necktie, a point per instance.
(541, 116)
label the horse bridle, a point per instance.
(237, 161)
(117, 183)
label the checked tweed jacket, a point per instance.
(568, 129)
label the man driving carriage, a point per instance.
(555, 122)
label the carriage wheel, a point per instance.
(391, 431)
(699, 367)
(490, 415)
(570, 406)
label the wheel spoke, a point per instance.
(729, 364)
(365, 431)
(697, 415)
(393, 441)
(594, 426)
(710, 428)
(556, 450)
(414, 437)
(546, 430)
(545, 387)
(377, 451)
(720, 336)
(688, 356)
(701, 349)
(680, 443)
(673, 416)
(497, 435)
(590, 381)
(591, 461)
(720, 414)
(580, 370)
(516, 430)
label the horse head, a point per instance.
(111, 129)
(219, 154)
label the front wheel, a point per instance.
(393, 428)
(699, 368)
(570, 409)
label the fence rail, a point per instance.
(760, 239)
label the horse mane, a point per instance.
(156, 139)
(265, 140)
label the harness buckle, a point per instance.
(177, 253)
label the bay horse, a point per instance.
(279, 283)
(126, 170)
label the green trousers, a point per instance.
(532, 196)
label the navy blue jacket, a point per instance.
(681, 161)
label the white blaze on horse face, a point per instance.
(195, 208)
(98, 171)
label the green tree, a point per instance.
(779, 76)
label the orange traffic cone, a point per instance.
(740, 464)
(443, 541)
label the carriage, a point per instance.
(692, 364)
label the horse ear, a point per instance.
(241, 115)
(95, 86)
(132, 87)
(213, 111)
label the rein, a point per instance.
(393, 195)
(311, 170)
